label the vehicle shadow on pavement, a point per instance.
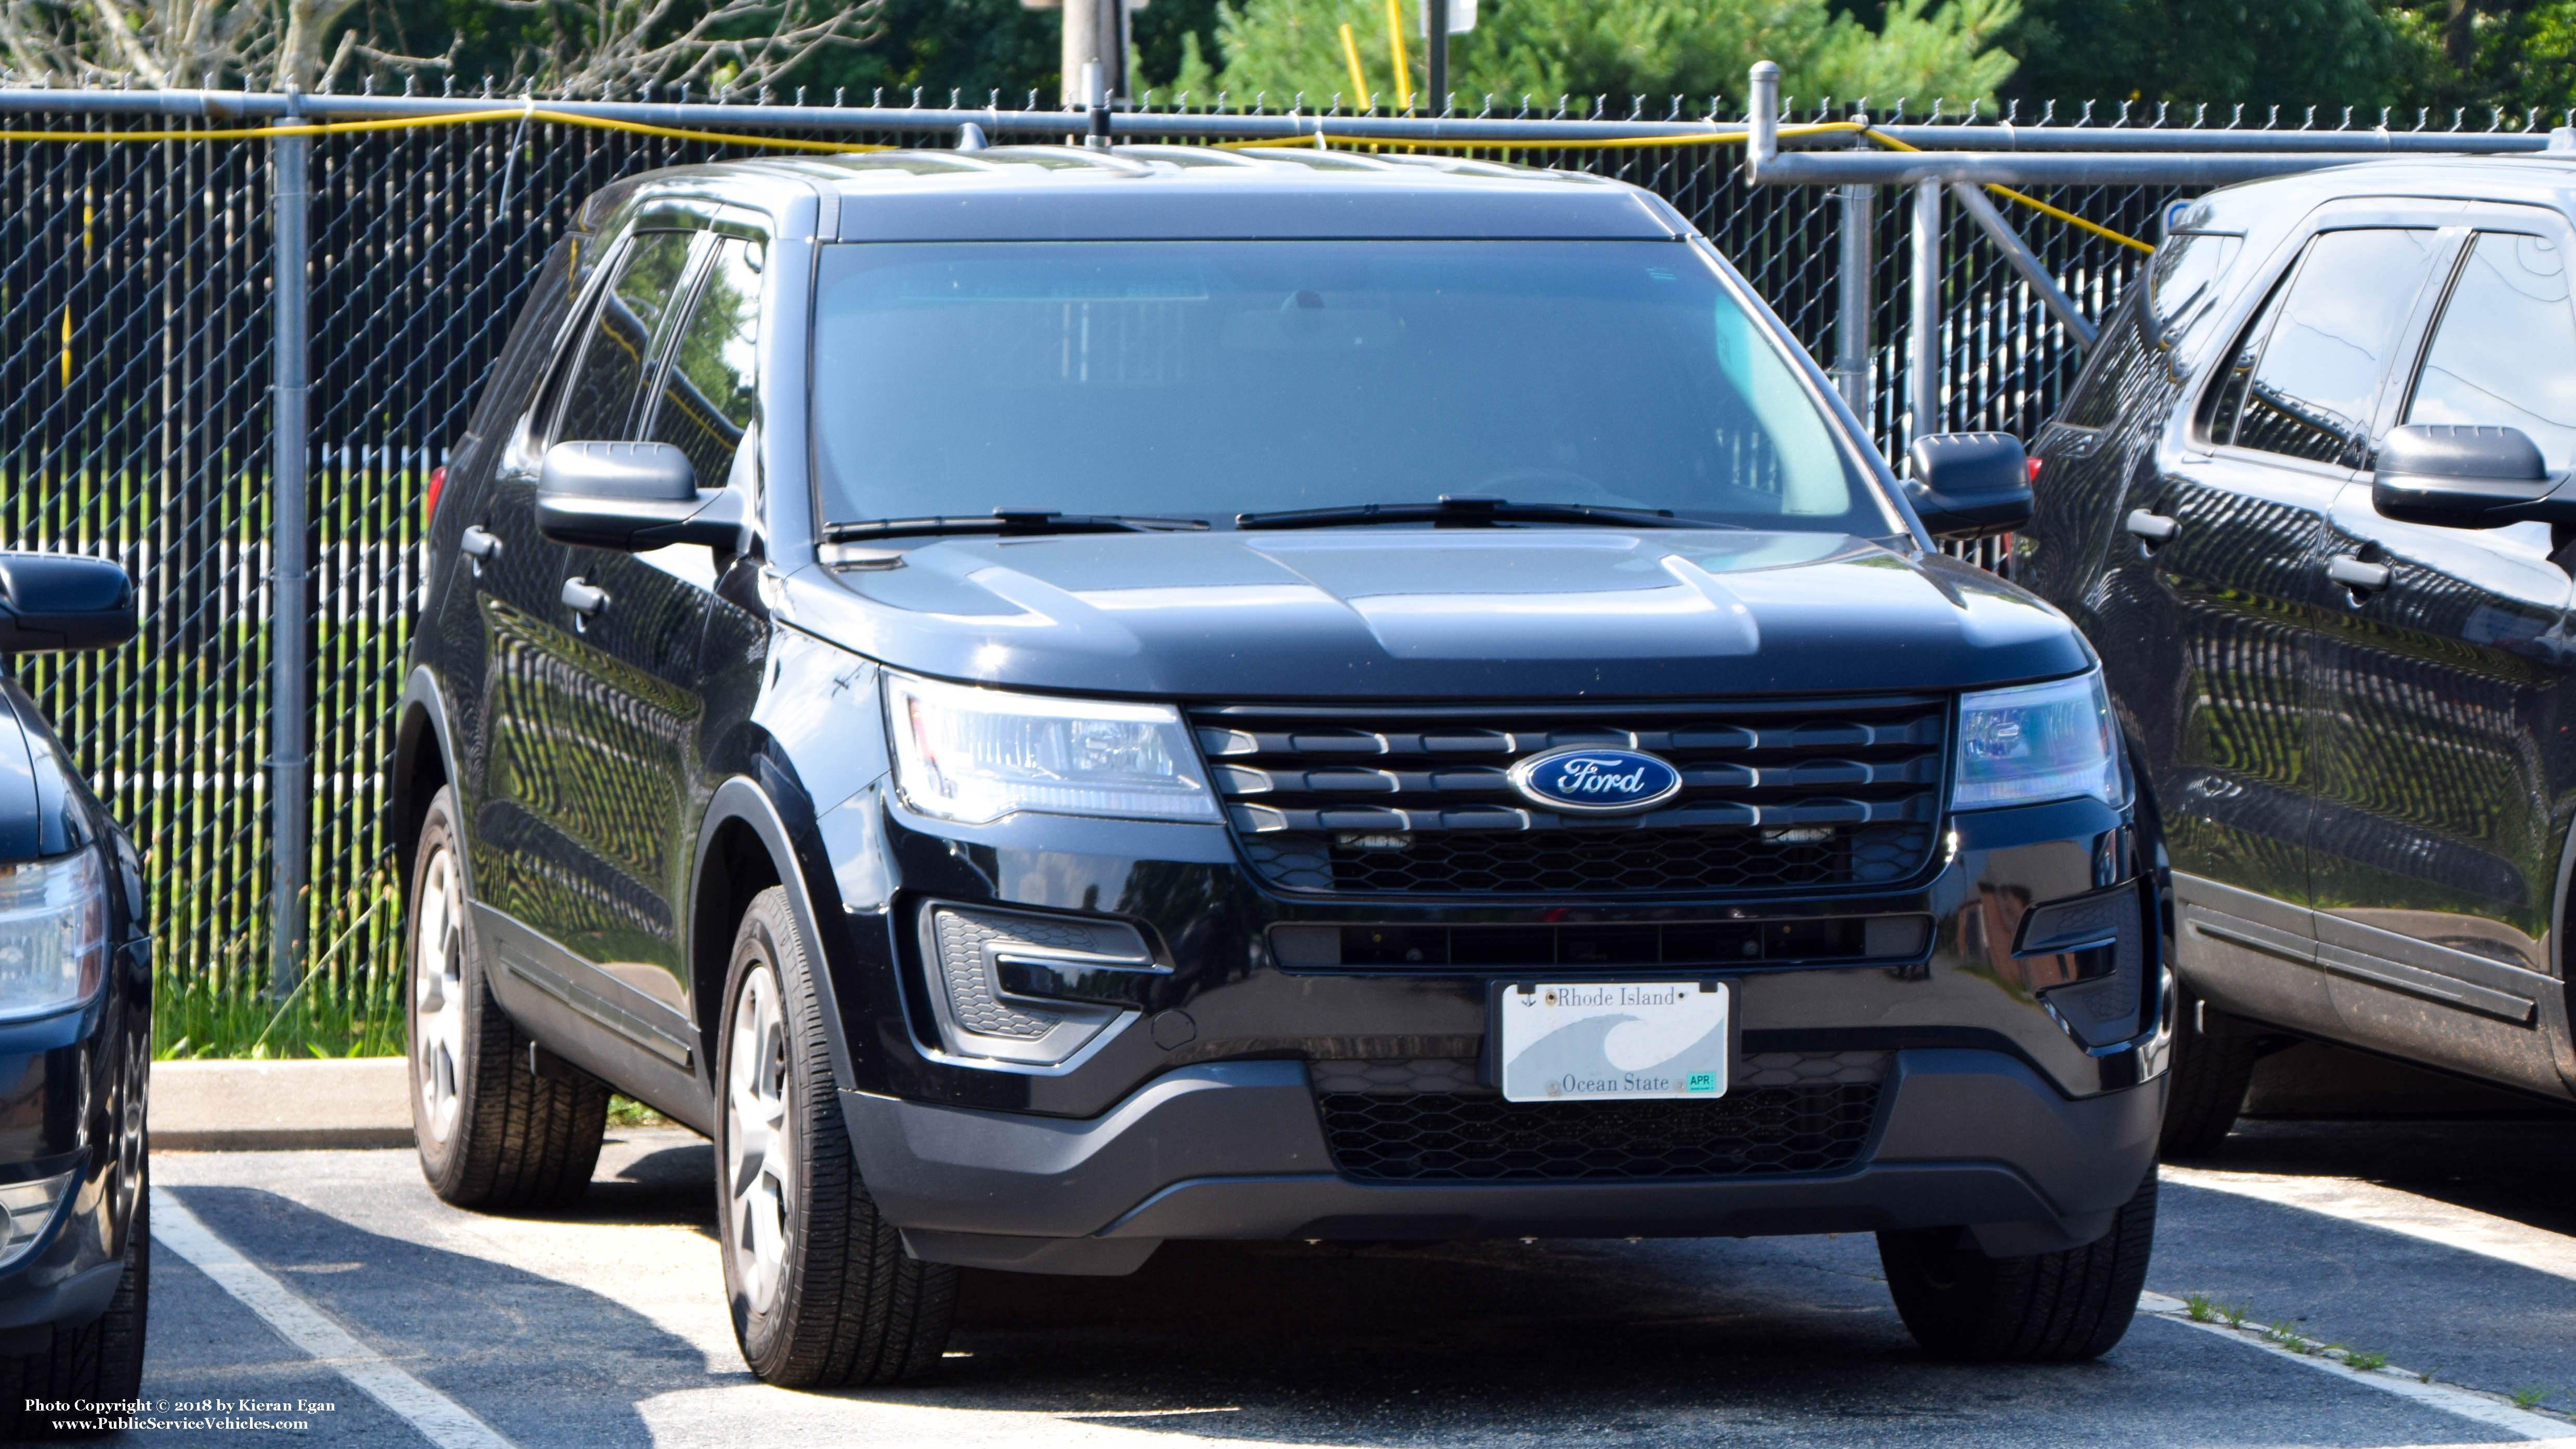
(2517, 1167)
(541, 1360)
(1655, 1342)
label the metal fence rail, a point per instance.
(141, 285)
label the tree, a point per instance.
(580, 46)
(2260, 52)
(1626, 48)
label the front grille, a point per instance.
(1398, 801)
(1784, 1112)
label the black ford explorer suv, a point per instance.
(75, 1035)
(1052, 700)
(2311, 501)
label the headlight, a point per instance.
(53, 933)
(2037, 742)
(978, 754)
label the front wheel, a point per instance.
(2045, 1308)
(822, 1292)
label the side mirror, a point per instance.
(1968, 485)
(632, 497)
(51, 601)
(2464, 477)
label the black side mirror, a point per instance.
(2464, 477)
(1968, 485)
(632, 497)
(51, 601)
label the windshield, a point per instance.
(1205, 379)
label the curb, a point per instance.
(235, 1106)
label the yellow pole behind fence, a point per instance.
(1395, 47)
(1359, 80)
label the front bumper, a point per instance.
(1235, 1150)
(2005, 1104)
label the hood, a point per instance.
(1376, 613)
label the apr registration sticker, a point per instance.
(1595, 1039)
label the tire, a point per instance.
(2047, 1308)
(97, 1361)
(492, 1134)
(822, 1293)
(2211, 1070)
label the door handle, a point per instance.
(2353, 574)
(2153, 527)
(481, 545)
(585, 599)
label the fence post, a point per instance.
(1925, 326)
(1852, 294)
(291, 827)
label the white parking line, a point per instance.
(2405, 1383)
(440, 1419)
(2388, 1208)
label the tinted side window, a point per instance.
(2309, 393)
(710, 394)
(600, 403)
(2505, 351)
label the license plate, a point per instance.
(1591, 1040)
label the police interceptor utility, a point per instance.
(1055, 700)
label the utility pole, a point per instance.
(1435, 50)
(1096, 32)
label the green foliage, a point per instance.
(2201, 1307)
(1622, 48)
(2284, 52)
(2514, 54)
(2364, 1361)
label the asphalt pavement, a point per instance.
(2450, 1247)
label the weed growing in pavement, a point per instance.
(2529, 1396)
(2282, 1333)
(2426, 1376)
(2201, 1307)
(2361, 1360)
(2236, 1314)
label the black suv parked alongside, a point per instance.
(2310, 501)
(1052, 700)
(75, 1033)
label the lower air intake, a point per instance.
(1815, 1119)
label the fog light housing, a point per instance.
(30, 1207)
(1031, 990)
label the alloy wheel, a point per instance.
(759, 1140)
(438, 994)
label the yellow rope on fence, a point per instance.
(400, 123)
(1319, 136)
(1705, 138)
(2033, 202)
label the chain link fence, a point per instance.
(135, 409)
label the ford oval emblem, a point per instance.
(1590, 781)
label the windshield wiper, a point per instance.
(1006, 522)
(1471, 510)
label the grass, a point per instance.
(2201, 1307)
(349, 1003)
(2530, 1395)
(2364, 1360)
(627, 1112)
